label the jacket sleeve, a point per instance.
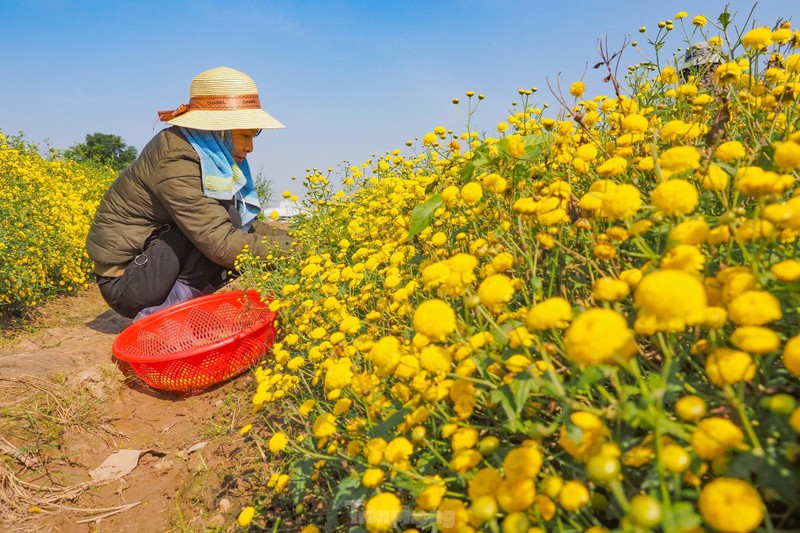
(203, 220)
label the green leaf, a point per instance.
(480, 158)
(386, 428)
(520, 172)
(349, 497)
(676, 429)
(781, 478)
(589, 377)
(468, 172)
(636, 415)
(503, 397)
(681, 517)
(523, 388)
(300, 478)
(534, 143)
(349, 489)
(422, 216)
(574, 432)
(724, 19)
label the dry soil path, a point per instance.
(63, 373)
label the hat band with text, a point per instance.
(214, 103)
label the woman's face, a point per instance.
(242, 143)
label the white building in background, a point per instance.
(286, 210)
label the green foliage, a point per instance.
(607, 298)
(263, 189)
(46, 207)
(102, 149)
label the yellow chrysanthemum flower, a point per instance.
(576, 89)
(554, 312)
(614, 166)
(278, 442)
(385, 355)
(372, 477)
(726, 367)
(516, 494)
(786, 271)
(465, 460)
(715, 436)
(791, 355)
(381, 511)
(496, 290)
(452, 516)
(754, 308)
(435, 319)
(246, 516)
(675, 197)
(398, 450)
(587, 152)
(609, 289)
(679, 158)
(755, 181)
(431, 497)
(635, 124)
(684, 257)
(471, 193)
(730, 151)
(731, 505)
(621, 202)
(434, 358)
(522, 463)
(669, 300)
(690, 232)
(339, 374)
(668, 75)
(715, 178)
(787, 156)
(593, 435)
(755, 339)
(728, 73)
(794, 420)
(485, 481)
(757, 38)
(324, 425)
(573, 496)
(598, 336)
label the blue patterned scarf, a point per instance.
(222, 178)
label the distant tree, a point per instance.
(103, 148)
(263, 189)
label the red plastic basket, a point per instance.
(198, 343)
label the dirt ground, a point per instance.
(66, 406)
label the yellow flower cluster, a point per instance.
(586, 322)
(46, 206)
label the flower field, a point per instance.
(586, 320)
(46, 206)
(581, 323)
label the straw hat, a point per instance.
(221, 99)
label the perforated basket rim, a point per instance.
(123, 354)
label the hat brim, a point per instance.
(239, 119)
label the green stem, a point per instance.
(659, 415)
(738, 403)
(619, 494)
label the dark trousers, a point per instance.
(169, 256)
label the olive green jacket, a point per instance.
(163, 187)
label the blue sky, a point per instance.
(348, 78)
